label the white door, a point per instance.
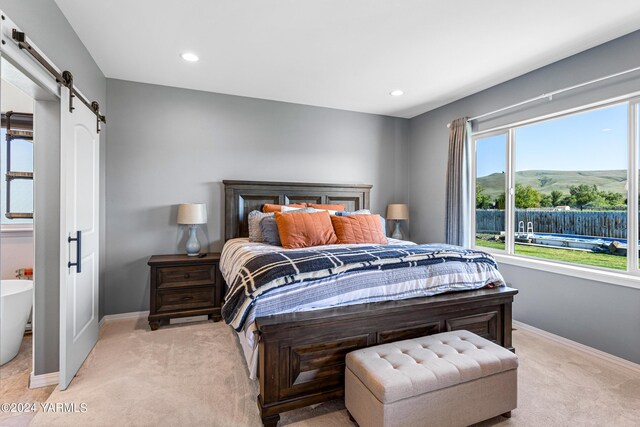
(79, 172)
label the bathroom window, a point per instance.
(21, 189)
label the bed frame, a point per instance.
(302, 355)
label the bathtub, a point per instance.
(16, 299)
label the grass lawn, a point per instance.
(615, 262)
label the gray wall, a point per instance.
(47, 27)
(46, 310)
(597, 314)
(168, 146)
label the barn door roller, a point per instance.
(65, 78)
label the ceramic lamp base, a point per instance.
(193, 246)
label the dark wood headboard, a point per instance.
(242, 197)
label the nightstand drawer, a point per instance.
(193, 275)
(184, 286)
(184, 299)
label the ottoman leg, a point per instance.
(507, 414)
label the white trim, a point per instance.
(632, 186)
(43, 380)
(583, 272)
(624, 363)
(8, 233)
(510, 194)
(120, 316)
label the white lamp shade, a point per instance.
(398, 212)
(192, 213)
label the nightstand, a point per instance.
(184, 286)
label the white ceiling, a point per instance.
(346, 54)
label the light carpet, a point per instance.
(194, 375)
(14, 386)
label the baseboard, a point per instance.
(580, 347)
(121, 316)
(43, 380)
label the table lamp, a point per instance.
(397, 212)
(192, 214)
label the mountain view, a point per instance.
(546, 181)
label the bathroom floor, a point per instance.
(14, 386)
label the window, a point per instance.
(557, 189)
(491, 167)
(21, 189)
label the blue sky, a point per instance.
(596, 140)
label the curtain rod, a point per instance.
(550, 95)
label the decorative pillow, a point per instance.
(255, 231)
(338, 207)
(289, 209)
(360, 212)
(359, 229)
(383, 221)
(267, 207)
(269, 227)
(305, 229)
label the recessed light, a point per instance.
(188, 56)
(396, 92)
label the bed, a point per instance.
(300, 355)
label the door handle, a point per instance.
(78, 240)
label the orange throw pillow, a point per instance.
(326, 207)
(267, 207)
(305, 229)
(359, 229)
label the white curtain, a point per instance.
(458, 212)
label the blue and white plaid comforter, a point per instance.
(264, 280)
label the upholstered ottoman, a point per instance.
(448, 379)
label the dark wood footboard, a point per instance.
(302, 355)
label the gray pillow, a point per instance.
(269, 227)
(270, 233)
(254, 218)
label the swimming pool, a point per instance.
(571, 241)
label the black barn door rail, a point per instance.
(65, 78)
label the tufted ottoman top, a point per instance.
(412, 367)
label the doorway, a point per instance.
(16, 225)
(66, 202)
(19, 262)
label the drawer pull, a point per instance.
(187, 298)
(187, 275)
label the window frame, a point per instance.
(473, 182)
(629, 277)
(25, 227)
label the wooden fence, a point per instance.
(585, 223)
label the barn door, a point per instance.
(79, 229)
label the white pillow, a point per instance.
(284, 208)
(288, 209)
